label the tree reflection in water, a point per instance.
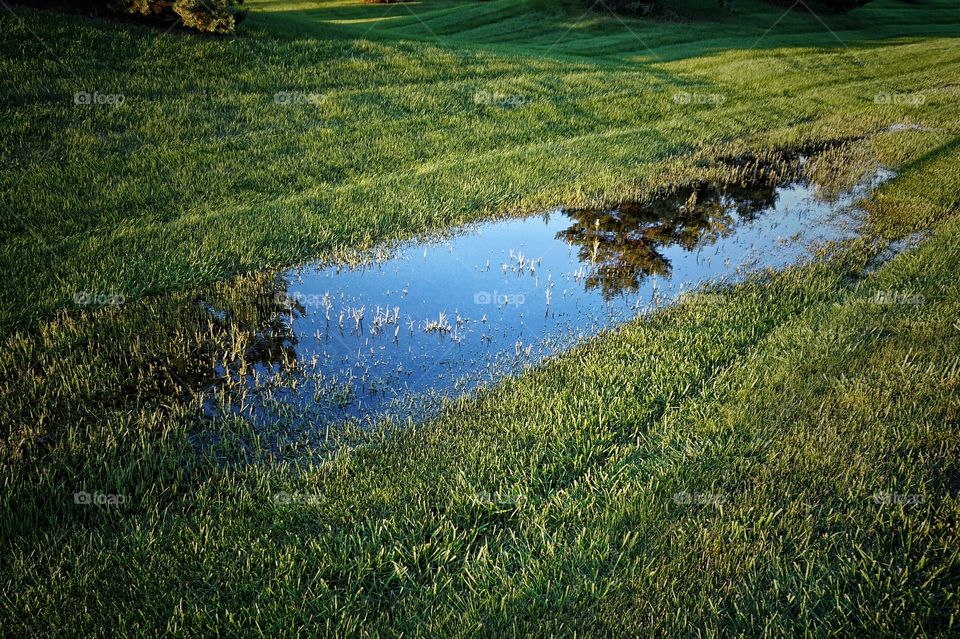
(243, 324)
(623, 245)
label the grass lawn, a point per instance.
(780, 457)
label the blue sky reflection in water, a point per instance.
(437, 318)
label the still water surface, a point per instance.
(437, 318)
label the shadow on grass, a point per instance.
(568, 31)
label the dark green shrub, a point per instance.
(828, 6)
(209, 16)
(697, 7)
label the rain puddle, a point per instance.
(440, 318)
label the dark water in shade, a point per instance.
(438, 318)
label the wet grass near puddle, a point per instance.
(626, 461)
(777, 455)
